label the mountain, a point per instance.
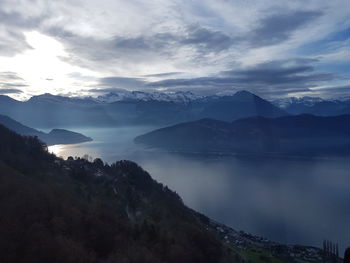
(76, 211)
(56, 99)
(49, 111)
(125, 95)
(55, 136)
(61, 136)
(239, 105)
(285, 103)
(314, 105)
(302, 134)
(136, 108)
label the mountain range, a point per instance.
(159, 108)
(51, 111)
(55, 136)
(124, 95)
(314, 105)
(299, 135)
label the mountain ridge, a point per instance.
(51, 111)
(55, 136)
(314, 105)
(301, 134)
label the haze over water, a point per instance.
(291, 200)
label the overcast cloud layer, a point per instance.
(87, 47)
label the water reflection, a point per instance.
(288, 200)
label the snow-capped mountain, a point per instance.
(284, 103)
(314, 105)
(124, 95)
(57, 99)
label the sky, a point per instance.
(87, 47)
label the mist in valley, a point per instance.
(291, 200)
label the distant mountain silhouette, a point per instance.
(302, 134)
(316, 106)
(56, 136)
(240, 105)
(51, 111)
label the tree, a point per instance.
(347, 255)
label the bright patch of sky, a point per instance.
(88, 47)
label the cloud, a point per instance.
(206, 40)
(123, 54)
(9, 91)
(17, 20)
(9, 76)
(272, 78)
(11, 32)
(278, 27)
(332, 91)
(12, 42)
(11, 83)
(161, 75)
(121, 82)
(215, 44)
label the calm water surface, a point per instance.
(291, 200)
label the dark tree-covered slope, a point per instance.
(55, 136)
(78, 211)
(55, 210)
(302, 134)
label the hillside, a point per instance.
(55, 136)
(302, 134)
(79, 211)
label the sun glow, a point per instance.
(42, 67)
(56, 149)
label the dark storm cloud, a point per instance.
(278, 77)
(279, 27)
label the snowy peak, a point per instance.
(179, 96)
(284, 103)
(57, 99)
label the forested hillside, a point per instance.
(79, 211)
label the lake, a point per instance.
(290, 200)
